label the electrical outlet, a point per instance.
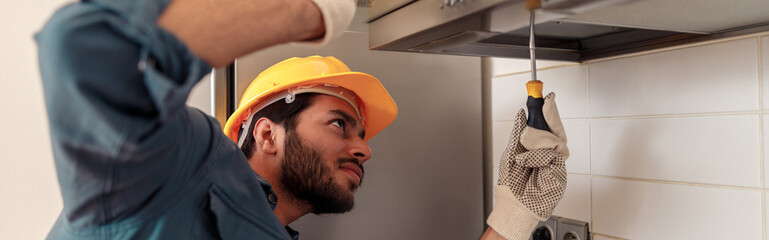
(558, 228)
(545, 230)
(569, 229)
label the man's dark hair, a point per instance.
(281, 113)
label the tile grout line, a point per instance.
(590, 145)
(578, 174)
(564, 119)
(608, 236)
(761, 139)
(680, 115)
(692, 184)
(713, 114)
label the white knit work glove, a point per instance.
(337, 15)
(532, 175)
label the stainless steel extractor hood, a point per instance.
(568, 30)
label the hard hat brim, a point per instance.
(378, 107)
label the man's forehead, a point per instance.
(335, 106)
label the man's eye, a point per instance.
(338, 123)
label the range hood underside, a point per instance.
(564, 39)
(564, 47)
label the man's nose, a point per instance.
(360, 150)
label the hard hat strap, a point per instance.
(247, 123)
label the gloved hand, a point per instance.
(532, 175)
(337, 15)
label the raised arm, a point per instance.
(218, 31)
(116, 77)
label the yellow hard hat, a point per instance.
(316, 74)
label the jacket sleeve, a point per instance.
(115, 89)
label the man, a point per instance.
(303, 125)
(134, 162)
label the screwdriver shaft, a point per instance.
(532, 54)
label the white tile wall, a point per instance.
(720, 77)
(766, 150)
(575, 203)
(630, 119)
(721, 150)
(764, 44)
(508, 93)
(578, 135)
(765, 69)
(644, 210)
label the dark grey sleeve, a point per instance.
(115, 90)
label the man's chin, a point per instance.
(349, 194)
(352, 186)
(342, 200)
(342, 206)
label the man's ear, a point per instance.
(265, 135)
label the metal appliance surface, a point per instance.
(568, 30)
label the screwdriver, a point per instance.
(535, 100)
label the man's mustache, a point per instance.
(356, 162)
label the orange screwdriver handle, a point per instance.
(533, 4)
(534, 103)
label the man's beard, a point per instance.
(305, 178)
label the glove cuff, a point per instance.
(337, 16)
(510, 218)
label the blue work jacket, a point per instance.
(133, 161)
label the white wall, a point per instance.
(29, 193)
(665, 145)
